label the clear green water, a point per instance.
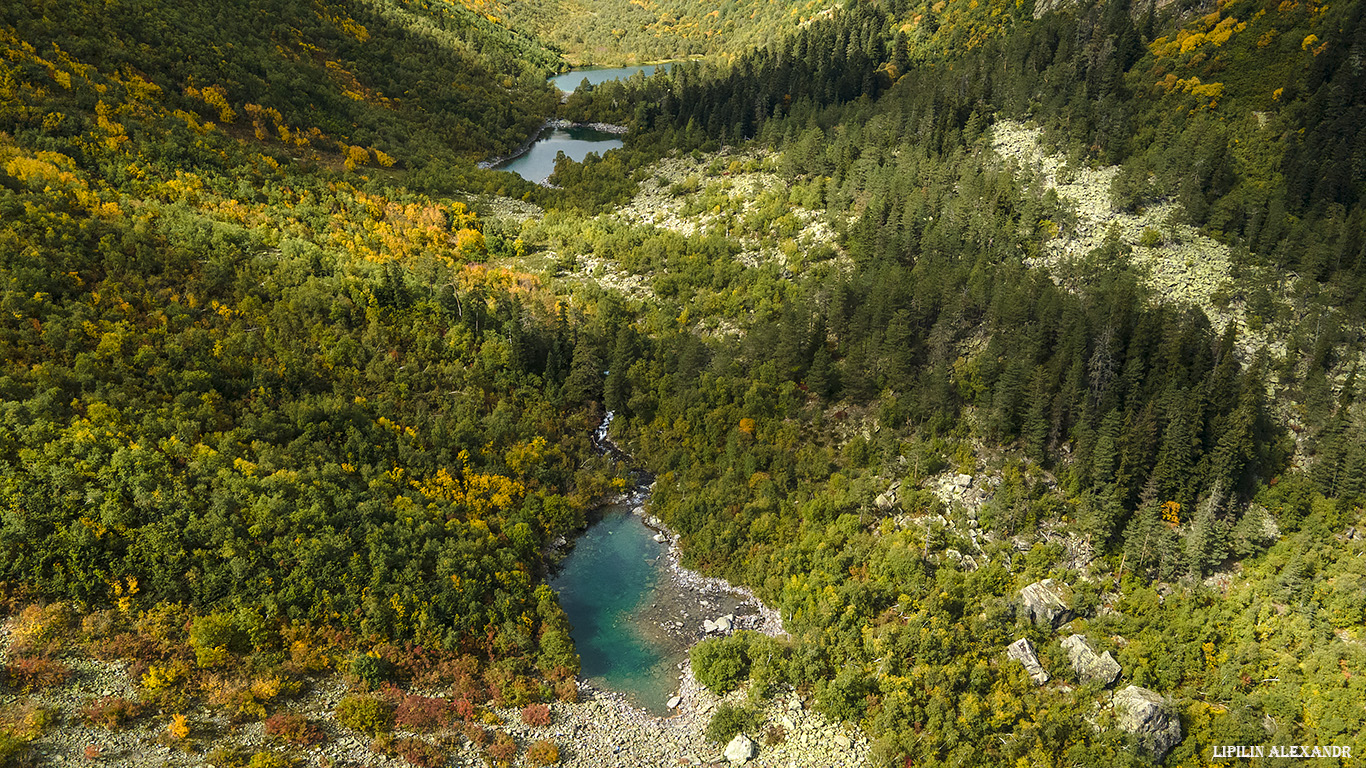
(608, 579)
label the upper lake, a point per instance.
(596, 76)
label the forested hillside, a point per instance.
(266, 415)
(617, 32)
(1186, 489)
(419, 84)
(279, 410)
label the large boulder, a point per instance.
(1089, 666)
(1023, 652)
(1144, 713)
(741, 749)
(1045, 603)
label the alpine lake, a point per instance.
(538, 161)
(607, 582)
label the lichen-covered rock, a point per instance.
(1023, 652)
(1142, 712)
(1089, 666)
(1045, 603)
(741, 749)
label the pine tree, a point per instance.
(1176, 458)
(820, 379)
(624, 354)
(585, 373)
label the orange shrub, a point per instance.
(543, 753)
(31, 673)
(567, 690)
(113, 712)
(296, 729)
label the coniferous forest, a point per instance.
(912, 312)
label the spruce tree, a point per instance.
(820, 379)
(585, 373)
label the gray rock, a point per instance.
(661, 538)
(674, 702)
(1045, 603)
(962, 481)
(843, 741)
(885, 501)
(725, 623)
(1023, 652)
(1089, 666)
(741, 749)
(708, 625)
(1144, 713)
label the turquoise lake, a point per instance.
(596, 76)
(538, 162)
(605, 585)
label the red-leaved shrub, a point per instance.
(419, 753)
(293, 728)
(463, 708)
(113, 712)
(536, 714)
(422, 713)
(503, 750)
(476, 734)
(31, 673)
(459, 676)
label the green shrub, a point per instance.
(727, 721)
(13, 750)
(228, 757)
(366, 714)
(214, 638)
(370, 669)
(721, 664)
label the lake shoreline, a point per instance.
(608, 729)
(550, 124)
(684, 600)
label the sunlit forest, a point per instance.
(289, 400)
